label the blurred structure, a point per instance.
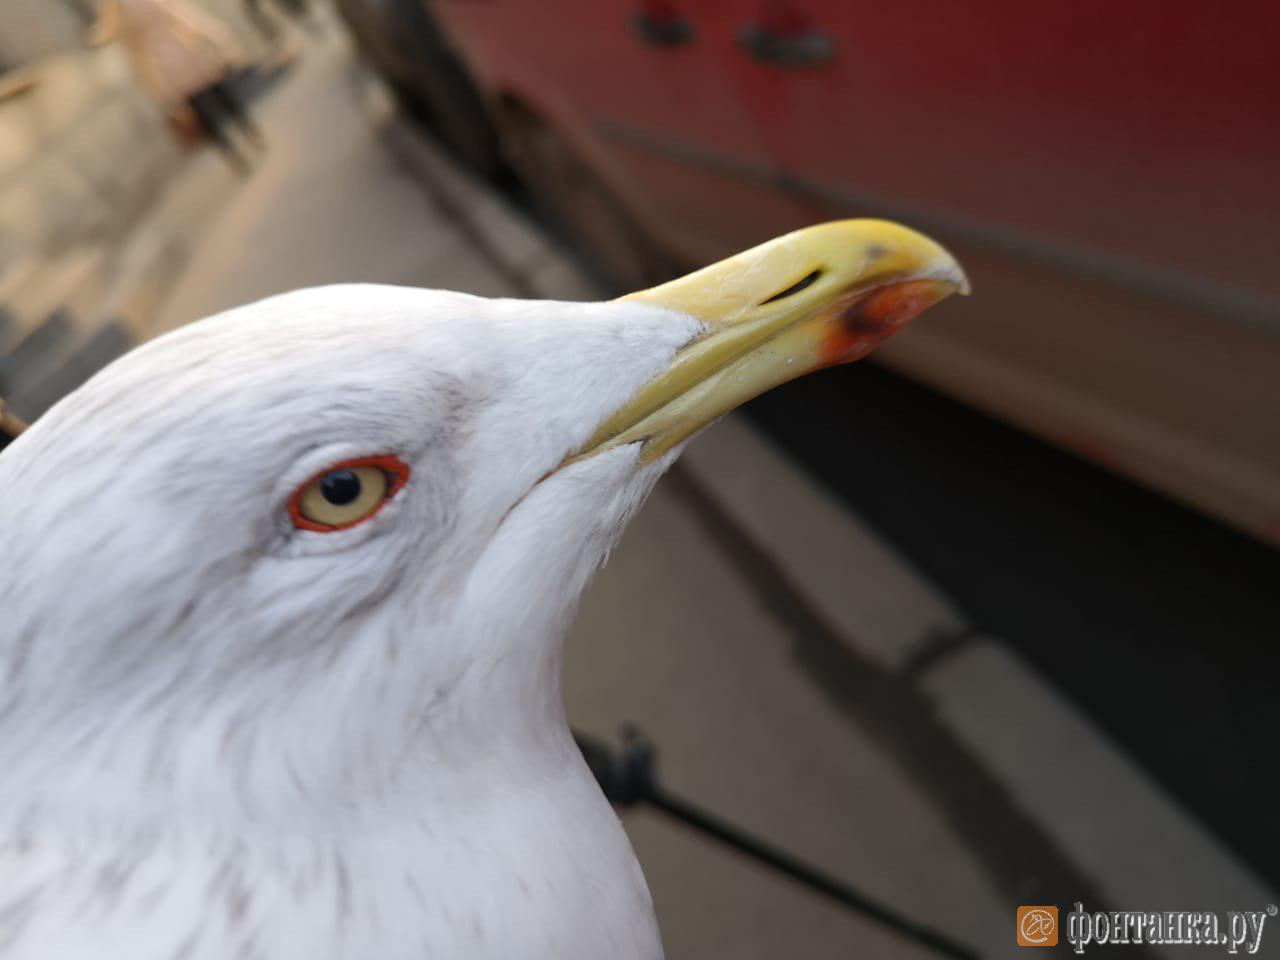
(185, 59)
(84, 155)
(34, 29)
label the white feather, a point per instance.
(225, 737)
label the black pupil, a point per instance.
(340, 487)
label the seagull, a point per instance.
(284, 594)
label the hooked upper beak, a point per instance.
(818, 297)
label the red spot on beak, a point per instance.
(860, 324)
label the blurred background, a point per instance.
(992, 619)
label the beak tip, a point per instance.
(950, 272)
(953, 275)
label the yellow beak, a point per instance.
(821, 296)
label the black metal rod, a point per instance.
(815, 879)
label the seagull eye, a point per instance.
(347, 493)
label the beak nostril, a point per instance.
(802, 283)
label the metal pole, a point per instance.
(628, 778)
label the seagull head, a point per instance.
(317, 554)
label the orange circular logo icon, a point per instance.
(1038, 926)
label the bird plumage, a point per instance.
(227, 733)
(234, 735)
